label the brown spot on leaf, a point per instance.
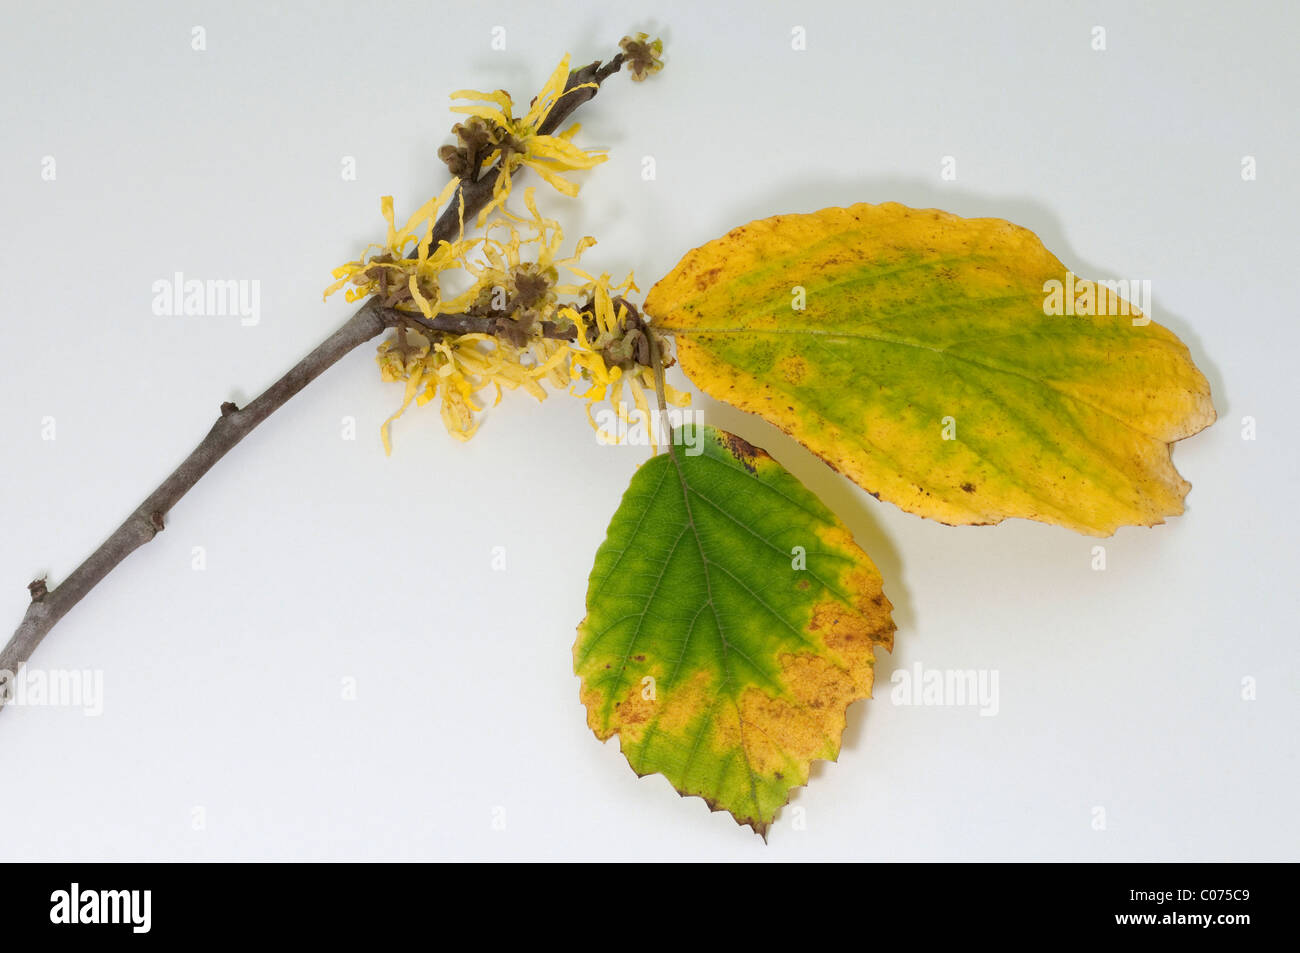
(746, 453)
(706, 279)
(630, 716)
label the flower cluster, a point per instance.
(495, 136)
(405, 283)
(526, 314)
(537, 328)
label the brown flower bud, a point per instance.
(458, 161)
(641, 55)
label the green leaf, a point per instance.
(925, 364)
(731, 620)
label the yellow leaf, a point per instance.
(916, 352)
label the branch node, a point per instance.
(156, 521)
(228, 408)
(37, 588)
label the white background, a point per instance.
(1119, 690)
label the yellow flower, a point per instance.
(600, 331)
(458, 366)
(518, 260)
(518, 141)
(408, 284)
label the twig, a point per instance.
(146, 522)
(473, 324)
(48, 606)
(657, 363)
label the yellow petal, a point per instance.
(564, 152)
(412, 385)
(561, 185)
(498, 96)
(552, 91)
(490, 113)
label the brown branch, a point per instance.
(661, 390)
(48, 606)
(474, 324)
(147, 520)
